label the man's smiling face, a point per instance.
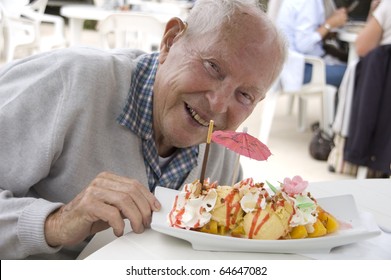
(218, 76)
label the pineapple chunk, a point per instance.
(319, 229)
(329, 221)
(222, 230)
(298, 232)
(238, 231)
(210, 227)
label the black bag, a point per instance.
(335, 47)
(321, 145)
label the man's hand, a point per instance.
(104, 203)
(338, 18)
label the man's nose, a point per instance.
(219, 100)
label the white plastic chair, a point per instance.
(21, 27)
(57, 38)
(135, 30)
(317, 87)
(13, 8)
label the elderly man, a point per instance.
(87, 134)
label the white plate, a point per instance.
(342, 207)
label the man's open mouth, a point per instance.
(197, 117)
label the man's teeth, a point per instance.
(197, 117)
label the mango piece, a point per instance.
(329, 221)
(298, 232)
(222, 230)
(319, 229)
(332, 224)
(210, 227)
(238, 232)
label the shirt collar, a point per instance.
(137, 113)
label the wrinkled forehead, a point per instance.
(248, 41)
(249, 27)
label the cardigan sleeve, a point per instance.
(30, 96)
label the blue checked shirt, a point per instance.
(137, 116)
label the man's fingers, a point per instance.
(107, 201)
(109, 215)
(138, 213)
(129, 200)
(130, 185)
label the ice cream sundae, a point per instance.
(249, 210)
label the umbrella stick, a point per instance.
(208, 139)
(236, 169)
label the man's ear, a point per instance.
(174, 29)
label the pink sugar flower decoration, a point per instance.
(293, 186)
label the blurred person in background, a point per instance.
(306, 24)
(368, 139)
(377, 30)
(362, 120)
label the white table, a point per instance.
(77, 14)
(349, 34)
(371, 195)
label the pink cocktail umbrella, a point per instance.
(243, 144)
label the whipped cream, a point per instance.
(190, 211)
(305, 212)
(253, 196)
(252, 200)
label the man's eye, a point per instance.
(245, 98)
(212, 68)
